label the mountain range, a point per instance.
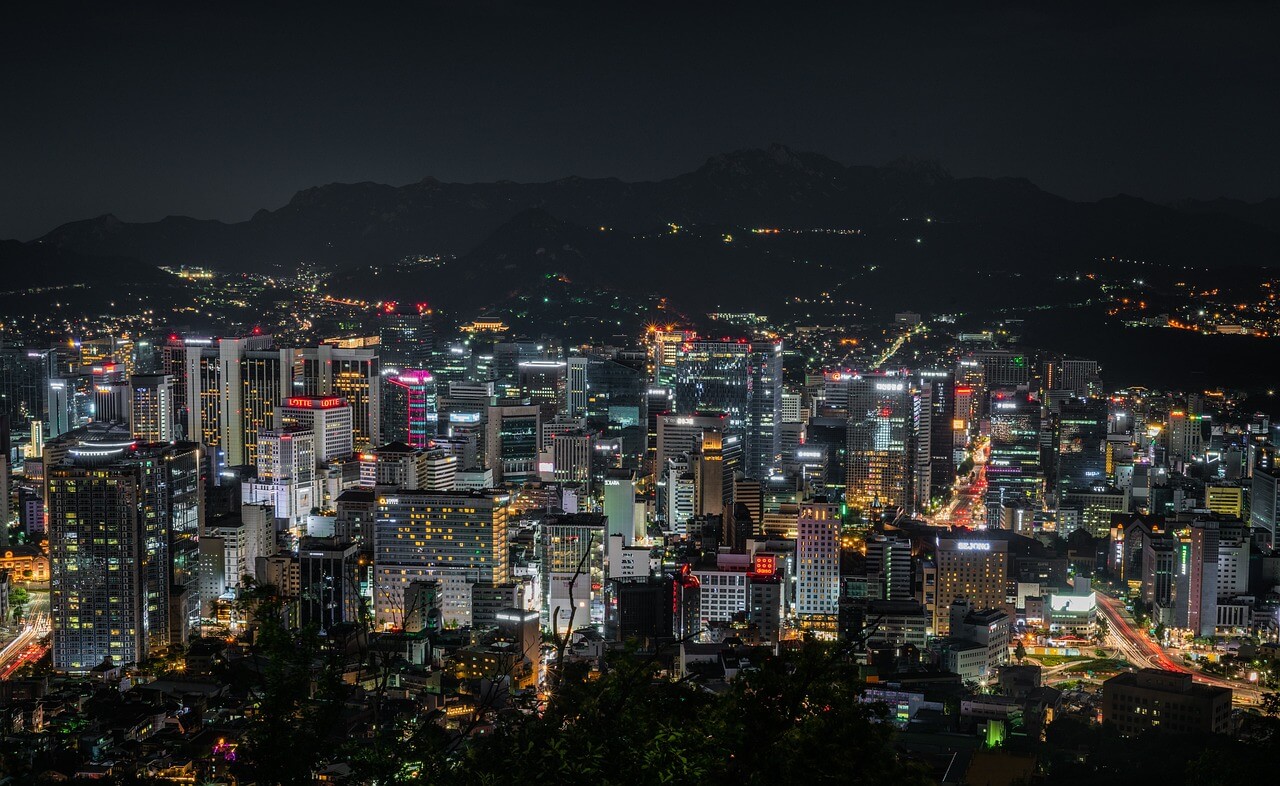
(913, 216)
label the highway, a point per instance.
(26, 647)
(1138, 648)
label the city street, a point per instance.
(1138, 648)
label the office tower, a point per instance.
(1093, 507)
(233, 387)
(1233, 558)
(1168, 702)
(356, 511)
(1196, 580)
(761, 445)
(1080, 432)
(889, 558)
(286, 474)
(571, 554)
(879, 458)
(328, 418)
(398, 466)
(151, 407)
(658, 403)
(442, 470)
(818, 562)
(966, 419)
(572, 453)
(724, 595)
(424, 606)
(6, 490)
(489, 599)
(229, 550)
(741, 379)
(679, 434)
(70, 402)
(831, 436)
(409, 408)
(576, 386)
(459, 538)
(406, 337)
(1013, 468)
(110, 392)
(328, 584)
(765, 596)
(1078, 377)
(545, 382)
(24, 382)
(972, 570)
(1003, 368)
(942, 427)
(1159, 566)
(352, 374)
(664, 349)
(921, 445)
(1183, 432)
(987, 628)
(712, 377)
(792, 409)
(711, 477)
(513, 439)
(677, 489)
(123, 526)
(1264, 501)
(624, 515)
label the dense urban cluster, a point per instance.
(723, 550)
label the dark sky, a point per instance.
(217, 112)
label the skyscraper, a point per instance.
(123, 525)
(457, 537)
(818, 562)
(972, 570)
(879, 459)
(406, 336)
(353, 374)
(151, 407)
(328, 418)
(233, 386)
(1014, 471)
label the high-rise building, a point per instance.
(352, 374)
(286, 474)
(571, 554)
(24, 382)
(713, 377)
(545, 382)
(818, 562)
(1014, 471)
(1264, 501)
(456, 537)
(328, 584)
(513, 440)
(972, 570)
(1196, 580)
(328, 418)
(761, 439)
(406, 337)
(1183, 431)
(889, 558)
(151, 407)
(880, 459)
(233, 386)
(664, 349)
(124, 520)
(942, 426)
(1080, 432)
(409, 408)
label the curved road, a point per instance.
(1140, 650)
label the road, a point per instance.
(27, 647)
(1139, 649)
(968, 502)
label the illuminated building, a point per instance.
(123, 525)
(741, 379)
(233, 386)
(571, 553)
(1169, 702)
(818, 560)
(409, 409)
(1094, 505)
(352, 374)
(513, 440)
(328, 584)
(327, 417)
(972, 570)
(1080, 432)
(24, 383)
(286, 474)
(890, 559)
(879, 458)
(941, 389)
(664, 348)
(1013, 467)
(1264, 501)
(229, 550)
(456, 537)
(1183, 432)
(406, 336)
(1195, 602)
(151, 407)
(572, 453)
(545, 382)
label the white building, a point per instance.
(328, 417)
(818, 559)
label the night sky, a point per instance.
(218, 112)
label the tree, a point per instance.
(1020, 651)
(18, 600)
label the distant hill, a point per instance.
(506, 234)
